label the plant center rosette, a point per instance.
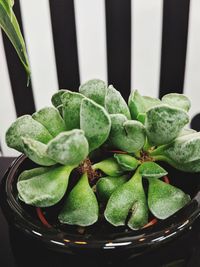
(126, 187)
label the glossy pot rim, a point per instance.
(154, 235)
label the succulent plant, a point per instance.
(129, 137)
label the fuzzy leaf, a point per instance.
(94, 89)
(177, 100)
(26, 126)
(140, 104)
(183, 153)
(115, 104)
(150, 169)
(129, 197)
(36, 151)
(81, 207)
(164, 199)
(56, 98)
(71, 109)
(107, 185)
(50, 118)
(127, 135)
(45, 189)
(27, 174)
(95, 122)
(126, 162)
(68, 148)
(109, 166)
(164, 123)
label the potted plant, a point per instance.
(91, 177)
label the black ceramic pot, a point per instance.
(100, 238)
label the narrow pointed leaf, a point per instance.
(71, 109)
(107, 185)
(45, 189)
(26, 126)
(36, 151)
(94, 89)
(164, 199)
(126, 162)
(81, 207)
(164, 123)
(95, 122)
(68, 148)
(115, 104)
(10, 26)
(50, 118)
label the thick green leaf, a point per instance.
(183, 153)
(140, 104)
(36, 151)
(56, 98)
(71, 109)
(164, 123)
(164, 199)
(45, 189)
(126, 162)
(50, 118)
(9, 24)
(68, 148)
(186, 131)
(177, 100)
(94, 89)
(129, 197)
(95, 122)
(109, 166)
(107, 185)
(26, 126)
(151, 169)
(115, 104)
(27, 174)
(127, 135)
(81, 207)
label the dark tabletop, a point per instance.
(17, 250)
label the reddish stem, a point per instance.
(166, 180)
(118, 151)
(152, 222)
(42, 218)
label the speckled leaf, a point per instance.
(164, 199)
(56, 98)
(71, 109)
(164, 123)
(68, 148)
(115, 104)
(126, 162)
(50, 118)
(107, 185)
(129, 197)
(151, 169)
(81, 207)
(127, 135)
(140, 104)
(45, 189)
(26, 126)
(177, 100)
(36, 151)
(95, 122)
(27, 174)
(108, 166)
(183, 153)
(94, 89)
